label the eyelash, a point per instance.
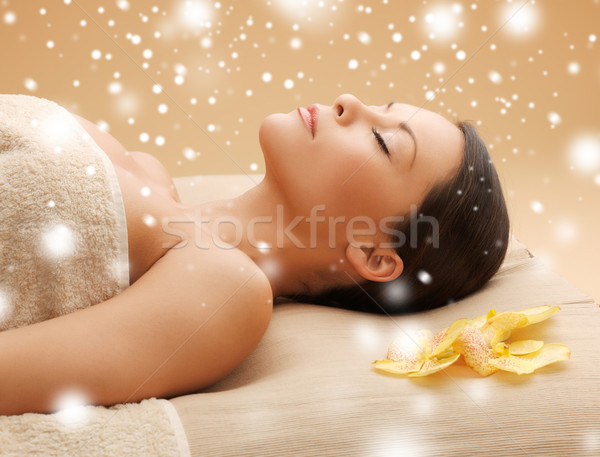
(380, 141)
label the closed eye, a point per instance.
(380, 141)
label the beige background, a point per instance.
(532, 84)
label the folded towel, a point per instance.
(63, 234)
(146, 429)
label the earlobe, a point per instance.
(375, 264)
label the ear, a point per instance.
(375, 264)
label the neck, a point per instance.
(261, 224)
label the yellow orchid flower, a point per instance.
(481, 342)
(424, 355)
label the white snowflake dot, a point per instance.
(30, 84)
(424, 277)
(495, 77)
(58, 241)
(554, 118)
(10, 17)
(189, 153)
(115, 87)
(585, 152)
(439, 68)
(364, 37)
(537, 207)
(295, 43)
(573, 68)
(149, 220)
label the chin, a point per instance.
(267, 127)
(278, 133)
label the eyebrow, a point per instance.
(404, 126)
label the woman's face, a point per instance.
(342, 163)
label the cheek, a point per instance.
(373, 191)
(345, 176)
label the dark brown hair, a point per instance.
(473, 236)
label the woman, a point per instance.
(385, 208)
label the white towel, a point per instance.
(148, 429)
(63, 234)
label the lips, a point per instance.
(310, 117)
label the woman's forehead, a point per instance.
(418, 112)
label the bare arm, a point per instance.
(153, 339)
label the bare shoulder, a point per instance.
(221, 290)
(154, 169)
(217, 275)
(133, 161)
(116, 152)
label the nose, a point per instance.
(346, 108)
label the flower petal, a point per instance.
(479, 321)
(500, 335)
(506, 322)
(539, 313)
(526, 364)
(448, 337)
(392, 366)
(409, 350)
(473, 347)
(424, 339)
(525, 347)
(434, 365)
